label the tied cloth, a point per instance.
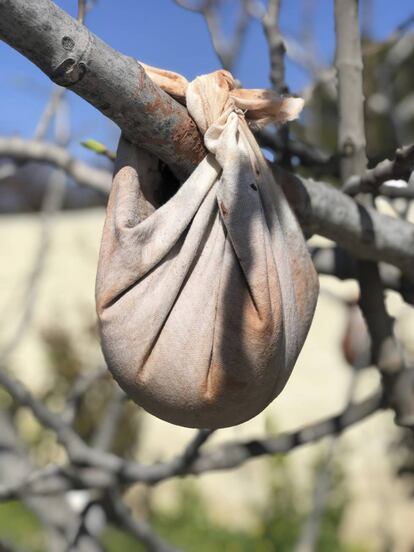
(205, 302)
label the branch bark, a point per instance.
(22, 150)
(277, 48)
(117, 85)
(359, 229)
(54, 512)
(335, 261)
(400, 168)
(320, 208)
(386, 351)
(102, 471)
(348, 61)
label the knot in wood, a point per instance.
(69, 72)
(348, 147)
(68, 43)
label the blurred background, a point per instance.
(355, 492)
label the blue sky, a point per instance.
(160, 33)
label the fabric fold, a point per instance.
(204, 305)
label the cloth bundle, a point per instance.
(204, 303)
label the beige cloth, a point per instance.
(205, 304)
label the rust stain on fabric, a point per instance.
(220, 382)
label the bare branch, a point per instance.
(226, 49)
(348, 61)
(138, 528)
(81, 385)
(168, 122)
(309, 155)
(42, 126)
(361, 230)
(104, 434)
(276, 47)
(81, 11)
(386, 351)
(231, 455)
(31, 150)
(54, 512)
(335, 261)
(108, 469)
(400, 168)
(277, 52)
(115, 84)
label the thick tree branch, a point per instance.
(118, 86)
(115, 84)
(103, 470)
(320, 208)
(32, 150)
(361, 230)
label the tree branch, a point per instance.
(139, 529)
(359, 229)
(335, 261)
(386, 351)
(103, 470)
(400, 168)
(320, 208)
(348, 62)
(118, 86)
(22, 150)
(277, 48)
(55, 513)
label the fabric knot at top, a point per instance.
(205, 302)
(209, 97)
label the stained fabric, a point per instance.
(204, 303)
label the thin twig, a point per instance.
(335, 261)
(105, 432)
(80, 386)
(400, 168)
(277, 48)
(277, 52)
(308, 155)
(49, 112)
(52, 202)
(386, 351)
(108, 468)
(227, 50)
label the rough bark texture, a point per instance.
(119, 88)
(348, 61)
(115, 84)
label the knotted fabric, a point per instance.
(204, 303)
